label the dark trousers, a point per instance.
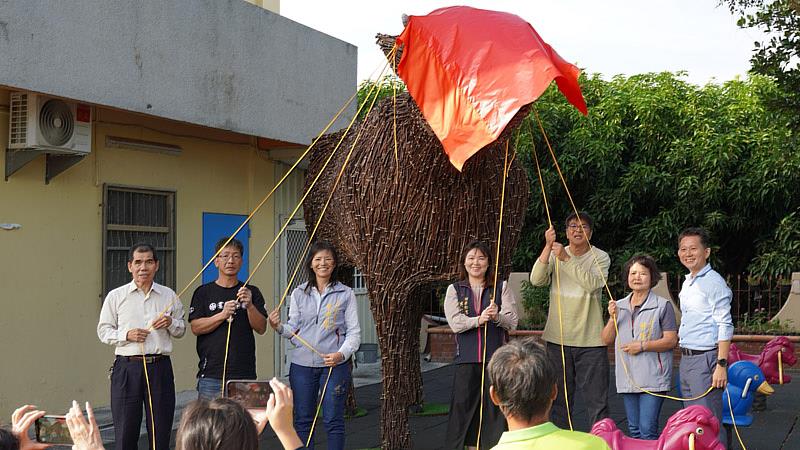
(462, 423)
(587, 369)
(129, 393)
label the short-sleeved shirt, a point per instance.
(207, 301)
(548, 436)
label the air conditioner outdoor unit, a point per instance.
(46, 123)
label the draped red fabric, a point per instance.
(470, 70)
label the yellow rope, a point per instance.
(618, 348)
(541, 183)
(225, 361)
(319, 220)
(314, 182)
(149, 394)
(319, 406)
(506, 165)
(260, 204)
(733, 419)
(283, 228)
(597, 263)
(330, 195)
(561, 331)
(558, 289)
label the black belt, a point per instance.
(690, 352)
(149, 359)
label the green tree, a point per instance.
(778, 56)
(657, 154)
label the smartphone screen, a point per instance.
(53, 430)
(250, 393)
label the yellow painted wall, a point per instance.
(50, 269)
(272, 5)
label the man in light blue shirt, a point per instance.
(706, 326)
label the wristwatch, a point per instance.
(722, 363)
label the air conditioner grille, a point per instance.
(56, 122)
(18, 132)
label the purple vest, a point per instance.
(470, 343)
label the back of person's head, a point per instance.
(522, 379)
(7, 440)
(221, 424)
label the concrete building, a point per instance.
(185, 114)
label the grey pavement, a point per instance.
(768, 432)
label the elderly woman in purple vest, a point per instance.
(647, 335)
(480, 314)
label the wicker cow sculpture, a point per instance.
(404, 222)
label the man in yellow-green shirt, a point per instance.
(523, 385)
(576, 275)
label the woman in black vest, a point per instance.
(480, 314)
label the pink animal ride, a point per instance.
(692, 428)
(779, 347)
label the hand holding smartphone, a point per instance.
(53, 430)
(249, 393)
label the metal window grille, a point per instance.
(296, 240)
(359, 283)
(133, 215)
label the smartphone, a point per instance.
(250, 393)
(53, 430)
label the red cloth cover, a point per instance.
(470, 70)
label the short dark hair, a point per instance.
(582, 217)
(523, 378)
(484, 248)
(705, 241)
(142, 247)
(317, 247)
(221, 424)
(648, 262)
(8, 441)
(235, 243)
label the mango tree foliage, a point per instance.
(658, 154)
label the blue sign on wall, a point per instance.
(217, 226)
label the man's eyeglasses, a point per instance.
(575, 226)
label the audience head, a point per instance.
(523, 382)
(221, 424)
(7, 440)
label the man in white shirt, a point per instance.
(706, 326)
(140, 319)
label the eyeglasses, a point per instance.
(575, 226)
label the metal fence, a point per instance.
(752, 297)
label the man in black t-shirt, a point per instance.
(224, 303)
